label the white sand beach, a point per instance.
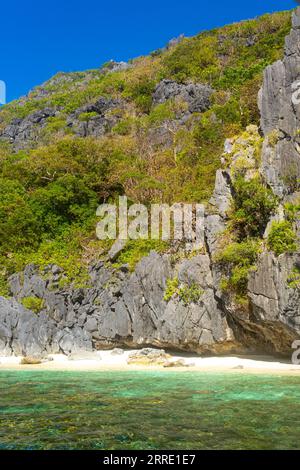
(110, 361)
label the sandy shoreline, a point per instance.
(106, 361)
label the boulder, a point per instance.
(148, 356)
(196, 95)
(25, 132)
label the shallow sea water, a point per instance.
(148, 410)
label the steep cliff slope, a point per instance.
(154, 130)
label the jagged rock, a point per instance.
(117, 352)
(277, 217)
(148, 356)
(280, 116)
(214, 226)
(116, 249)
(113, 66)
(73, 340)
(196, 96)
(100, 121)
(222, 196)
(22, 332)
(273, 295)
(129, 308)
(228, 145)
(24, 132)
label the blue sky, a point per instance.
(40, 38)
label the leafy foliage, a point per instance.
(186, 293)
(135, 250)
(239, 259)
(33, 303)
(252, 207)
(282, 238)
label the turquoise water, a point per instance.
(148, 410)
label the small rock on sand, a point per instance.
(117, 352)
(31, 360)
(149, 356)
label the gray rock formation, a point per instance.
(113, 66)
(23, 332)
(124, 309)
(24, 132)
(280, 116)
(196, 96)
(101, 119)
(222, 195)
(27, 132)
(271, 291)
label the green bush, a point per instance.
(86, 117)
(187, 293)
(123, 127)
(162, 112)
(171, 288)
(293, 280)
(190, 293)
(252, 207)
(135, 250)
(34, 304)
(239, 259)
(282, 238)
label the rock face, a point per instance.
(196, 96)
(95, 119)
(280, 116)
(101, 119)
(24, 333)
(22, 132)
(91, 120)
(270, 289)
(125, 309)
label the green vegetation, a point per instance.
(293, 280)
(239, 259)
(186, 293)
(292, 210)
(190, 293)
(86, 117)
(49, 195)
(34, 304)
(135, 250)
(282, 238)
(252, 207)
(171, 288)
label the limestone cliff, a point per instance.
(132, 308)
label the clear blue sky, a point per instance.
(40, 38)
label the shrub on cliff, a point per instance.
(238, 259)
(282, 238)
(252, 207)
